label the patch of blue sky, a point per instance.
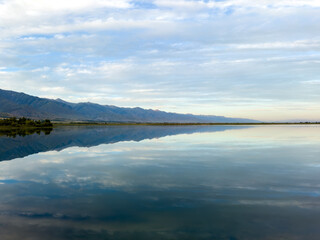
(36, 36)
(215, 0)
(229, 10)
(144, 4)
(37, 60)
(12, 181)
(10, 69)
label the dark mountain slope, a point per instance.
(20, 104)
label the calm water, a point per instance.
(209, 182)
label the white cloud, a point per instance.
(33, 8)
(194, 5)
(311, 82)
(262, 4)
(57, 90)
(279, 45)
(183, 55)
(19, 17)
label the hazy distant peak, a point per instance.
(20, 104)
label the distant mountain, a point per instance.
(23, 105)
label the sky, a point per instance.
(235, 58)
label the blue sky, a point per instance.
(237, 58)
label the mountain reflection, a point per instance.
(21, 143)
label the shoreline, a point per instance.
(173, 124)
(58, 124)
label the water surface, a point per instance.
(156, 182)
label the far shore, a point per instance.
(58, 124)
(169, 124)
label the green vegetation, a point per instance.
(24, 123)
(13, 132)
(13, 127)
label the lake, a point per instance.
(161, 182)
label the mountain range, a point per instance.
(16, 104)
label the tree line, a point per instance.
(25, 122)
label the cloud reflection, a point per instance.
(190, 186)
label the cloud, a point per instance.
(184, 56)
(19, 17)
(312, 82)
(236, 4)
(36, 8)
(281, 45)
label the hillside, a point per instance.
(23, 105)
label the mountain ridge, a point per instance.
(20, 104)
